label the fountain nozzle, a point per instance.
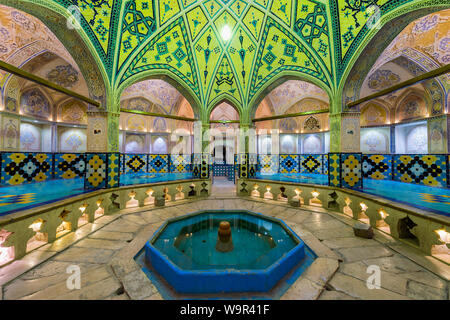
(224, 240)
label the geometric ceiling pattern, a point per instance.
(228, 49)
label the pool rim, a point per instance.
(292, 258)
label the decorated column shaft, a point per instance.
(344, 159)
(102, 157)
(201, 159)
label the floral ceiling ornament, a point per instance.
(64, 75)
(311, 124)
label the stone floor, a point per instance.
(104, 252)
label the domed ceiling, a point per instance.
(230, 50)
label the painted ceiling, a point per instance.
(422, 46)
(187, 41)
(219, 50)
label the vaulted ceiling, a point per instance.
(217, 50)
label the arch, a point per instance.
(72, 111)
(279, 80)
(288, 124)
(35, 102)
(224, 100)
(304, 99)
(376, 41)
(409, 106)
(375, 117)
(146, 106)
(168, 77)
(76, 42)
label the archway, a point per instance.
(40, 119)
(154, 123)
(224, 122)
(294, 109)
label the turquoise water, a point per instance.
(140, 178)
(423, 197)
(432, 199)
(190, 243)
(26, 196)
(20, 197)
(321, 179)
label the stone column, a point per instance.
(345, 159)
(392, 139)
(202, 155)
(102, 157)
(54, 137)
(247, 157)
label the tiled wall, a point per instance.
(26, 167)
(293, 163)
(345, 170)
(100, 169)
(425, 169)
(289, 163)
(377, 166)
(430, 170)
(180, 163)
(135, 163)
(311, 163)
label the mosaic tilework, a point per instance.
(311, 163)
(231, 173)
(428, 170)
(8, 199)
(95, 177)
(158, 163)
(113, 170)
(325, 164)
(243, 165)
(448, 171)
(180, 163)
(222, 170)
(334, 169)
(377, 166)
(122, 163)
(69, 165)
(268, 164)
(289, 163)
(206, 166)
(252, 165)
(18, 168)
(135, 163)
(196, 165)
(351, 173)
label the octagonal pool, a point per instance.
(188, 252)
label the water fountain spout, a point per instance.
(224, 239)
